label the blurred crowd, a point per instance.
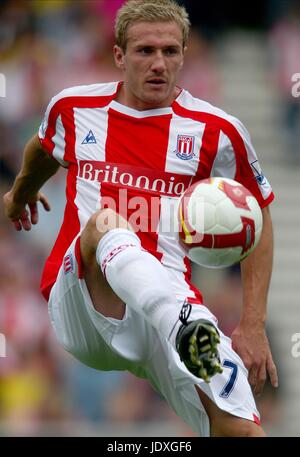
(46, 46)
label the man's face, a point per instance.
(150, 64)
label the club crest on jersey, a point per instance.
(185, 147)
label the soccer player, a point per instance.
(117, 280)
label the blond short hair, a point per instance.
(150, 11)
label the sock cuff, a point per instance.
(114, 242)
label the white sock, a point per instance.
(139, 279)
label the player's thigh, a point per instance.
(98, 341)
(72, 319)
(103, 298)
(223, 424)
(230, 391)
(76, 332)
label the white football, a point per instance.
(220, 222)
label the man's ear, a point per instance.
(119, 57)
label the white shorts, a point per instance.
(133, 344)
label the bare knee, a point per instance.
(107, 219)
(97, 226)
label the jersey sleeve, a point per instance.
(52, 131)
(236, 158)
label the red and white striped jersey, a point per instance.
(117, 154)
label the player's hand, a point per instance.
(252, 345)
(23, 215)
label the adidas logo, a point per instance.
(90, 138)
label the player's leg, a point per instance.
(133, 276)
(223, 424)
(73, 321)
(129, 275)
(103, 297)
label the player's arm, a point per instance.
(249, 339)
(20, 202)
